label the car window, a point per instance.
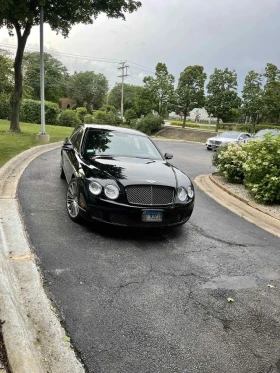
(114, 143)
(72, 136)
(77, 137)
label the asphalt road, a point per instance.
(156, 302)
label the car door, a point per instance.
(70, 158)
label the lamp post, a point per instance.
(42, 136)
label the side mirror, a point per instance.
(67, 147)
(168, 156)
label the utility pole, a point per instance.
(123, 68)
(42, 136)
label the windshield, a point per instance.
(113, 143)
(230, 135)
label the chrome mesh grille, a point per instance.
(152, 195)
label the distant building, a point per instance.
(66, 103)
(197, 113)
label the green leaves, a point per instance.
(222, 94)
(190, 90)
(88, 87)
(160, 89)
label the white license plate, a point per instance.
(152, 216)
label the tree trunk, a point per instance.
(217, 124)
(184, 122)
(16, 98)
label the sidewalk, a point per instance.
(33, 336)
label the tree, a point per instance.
(55, 76)
(271, 95)
(161, 89)
(88, 87)
(143, 104)
(252, 96)
(61, 15)
(190, 90)
(222, 95)
(6, 75)
(129, 96)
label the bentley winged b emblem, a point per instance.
(151, 181)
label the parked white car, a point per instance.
(224, 138)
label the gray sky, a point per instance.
(239, 34)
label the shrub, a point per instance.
(129, 115)
(82, 112)
(101, 117)
(229, 160)
(5, 109)
(68, 118)
(262, 169)
(88, 119)
(30, 111)
(149, 124)
(108, 108)
(188, 124)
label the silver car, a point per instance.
(226, 137)
(260, 135)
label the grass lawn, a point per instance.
(12, 144)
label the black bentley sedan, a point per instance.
(118, 176)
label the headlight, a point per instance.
(95, 188)
(111, 191)
(182, 194)
(190, 192)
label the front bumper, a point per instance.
(131, 216)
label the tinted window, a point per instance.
(76, 138)
(113, 143)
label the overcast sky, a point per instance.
(238, 34)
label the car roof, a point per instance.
(114, 128)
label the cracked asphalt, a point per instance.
(156, 301)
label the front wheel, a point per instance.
(72, 202)
(207, 147)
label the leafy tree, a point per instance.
(6, 75)
(252, 96)
(55, 76)
(88, 87)
(21, 15)
(161, 89)
(143, 104)
(222, 95)
(190, 90)
(271, 95)
(129, 96)
(130, 114)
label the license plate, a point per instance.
(152, 216)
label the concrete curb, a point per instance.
(32, 332)
(247, 201)
(237, 205)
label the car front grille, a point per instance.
(150, 195)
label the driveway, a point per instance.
(156, 301)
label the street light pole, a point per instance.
(42, 136)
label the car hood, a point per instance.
(129, 171)
(222, 139)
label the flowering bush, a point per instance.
(229, 160)
(262, 169)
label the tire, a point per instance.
(208, 148)
(72, 205)
(62, 174)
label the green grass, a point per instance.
(12, 144)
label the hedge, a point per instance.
(68, 118)
(30, 112)
(5, 109)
